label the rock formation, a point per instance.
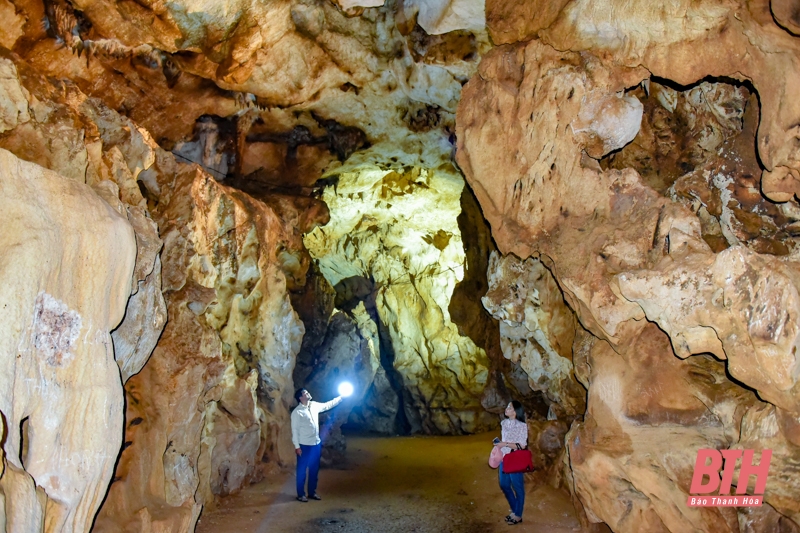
(537, 328)
(171, 172)
(230, 362)
(628, 240)
(412, 264)
(105, 159)
(223, 364)
(64, 416)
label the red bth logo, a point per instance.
(701, 490)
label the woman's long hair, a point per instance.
(520, 412)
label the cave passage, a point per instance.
(397, 485)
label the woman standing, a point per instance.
(514, 432)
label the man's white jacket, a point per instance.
(305, 421)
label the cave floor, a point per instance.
(399, 484)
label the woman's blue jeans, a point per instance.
(513, 486)
(309, 460)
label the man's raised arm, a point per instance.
(329, 405)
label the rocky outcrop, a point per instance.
(648, 413)
(146, 313)
(106, 156)
(741, 307)
(765, 54)
(67, 262)
(537, 329)
(306, 88)
(223, 366)
(435, 17)
(626, 240)
(506, 378)
(225, 359)
(412, 264)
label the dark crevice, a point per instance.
(339, 139)
(24, 441)
(403, 423)
(349, 293)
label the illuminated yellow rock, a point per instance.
(398, 229)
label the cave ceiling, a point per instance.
(294, 87)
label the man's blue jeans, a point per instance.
(513, 486)
(309, 460)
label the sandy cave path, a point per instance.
(399, 484)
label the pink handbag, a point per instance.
(496, 457)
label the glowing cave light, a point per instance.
(345, 389)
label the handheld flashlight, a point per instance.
(345, 389)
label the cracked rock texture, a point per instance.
(537, 329)
(671, 228)
(278, 71)
(108, 153)
(227, 355)
(412, 264)
(209, 412)
(61, 389)
(104, 157)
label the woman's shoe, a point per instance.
(509, 517)
(514, 521)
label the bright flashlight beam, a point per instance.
(345, 389)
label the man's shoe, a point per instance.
(302, 499)
(316, 496)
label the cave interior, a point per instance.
(590, 207)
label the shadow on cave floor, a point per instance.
(399, 484)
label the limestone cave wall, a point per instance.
(631, 172)
(81, 242)
(149, 238)
(223, 364)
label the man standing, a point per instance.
(307, 444)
